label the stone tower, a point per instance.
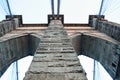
(55, 58)
(52, 47)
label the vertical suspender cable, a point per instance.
(10, 13)
(58, 8)
(94, 70)
(17, 70)
(52, 7)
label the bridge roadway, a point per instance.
(86, 41)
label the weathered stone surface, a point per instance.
(55, 58)
(11, 50)
(16, 47)
(8, 26)
(55, 76)
(101, 48)
(107, 27)
(108, 48)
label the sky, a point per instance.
(23, 65)
(75, 11)
(36, 11)
(100, 72)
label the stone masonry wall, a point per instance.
(8, 26)
(106, 51)
(107, 27)
(55, 58)
(16, 47)
(12, 49)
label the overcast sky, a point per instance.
(75, 11)
(36, 11)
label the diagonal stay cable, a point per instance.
(4, 6)
(8, 5)
(101, 7)
(107, 4)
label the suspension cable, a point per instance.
(101, 7)
(107, 4)
(17, 70)
(94, 70)
(8, 5)
(58, 8)
(52, 7)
